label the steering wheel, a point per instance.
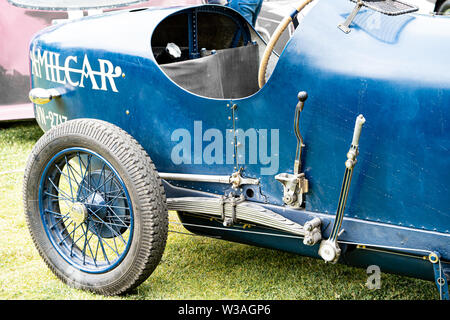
(274, 39)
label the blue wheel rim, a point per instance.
(86, 210)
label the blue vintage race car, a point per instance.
(338, 148)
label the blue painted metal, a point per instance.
(382, 69)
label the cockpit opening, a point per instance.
(210, 51)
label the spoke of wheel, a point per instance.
(65, 227)
(115, 225)
(83, 235)
(85, 242)
(89, 173)
(89, 246)
(106, 242)
(68, 172)
(111, 191)
(56, 213)
(102, 173)
(83, 176)
(124, 225)
(74, 228)
(121, 238)
(59, 221)
(96, 189)
(96, 249)
(73, 243)
(110, 187)
(101, 245)
(119, 235)
(106, 224)
(85, 170)
(118, 197)
(114, 239)
(109, 206)
(59, 191)
(114, 198)
(99, 180)
(56, 196)
(81, 163)
(67, 179)
(71, 169)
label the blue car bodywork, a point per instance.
(398, 208)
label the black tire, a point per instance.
(145, 197)
(445, 8)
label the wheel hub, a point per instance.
(78, 213)
(97, 206)
(107, 217)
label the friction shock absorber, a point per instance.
(329, 249)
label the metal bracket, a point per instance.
(312, 232)
(227, 221)
(345, 26)
(439, 276)
(237, 180)
(294, 186)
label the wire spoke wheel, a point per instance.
(95, 206)
(86, 210)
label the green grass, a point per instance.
(191, 268)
